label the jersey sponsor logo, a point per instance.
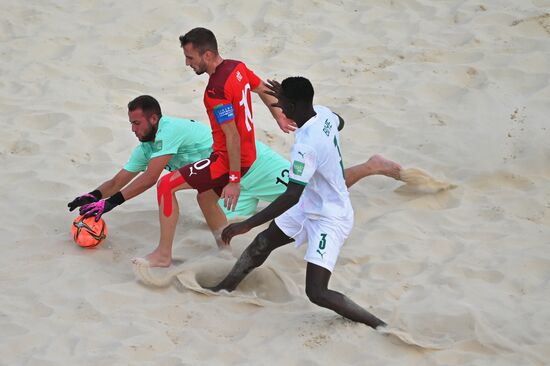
(327, 127)
(157, 145)
(298, 167)
(239, 76)
(224, 113)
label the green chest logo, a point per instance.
(298, 167)
(157, 146)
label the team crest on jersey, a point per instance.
(298, 167)
(239, 76)
(157, 145)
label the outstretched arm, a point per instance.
(138, 186)
(285, 201)
(285, 124)
(148, 179)
(115, 184)
(106, 189)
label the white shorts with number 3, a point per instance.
(324, 238)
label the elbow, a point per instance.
(151, 182)
(341, 123)
(232, 139)
(293, 197)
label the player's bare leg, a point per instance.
(376, 165)
(317, 291)
(168, 217)
(253, 256)
(215, 218)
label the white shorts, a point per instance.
(324, 238)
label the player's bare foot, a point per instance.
(382, 166)
(213, 288)
(153, 276)
(158, 259)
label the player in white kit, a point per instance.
(315, 209)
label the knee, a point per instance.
(163, 183)
(170, 183)
(316, 295)
(260, 246)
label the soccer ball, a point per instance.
(87, 232)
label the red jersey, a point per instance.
(227, 97)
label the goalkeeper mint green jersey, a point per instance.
(189, 141)
(186, 139)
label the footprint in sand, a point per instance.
(43, 121)
(501, 179)
(489, 276)
(24, 147)
(397, 270)
(148, 40)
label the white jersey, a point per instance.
(316, 162)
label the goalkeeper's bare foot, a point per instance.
(157, 259)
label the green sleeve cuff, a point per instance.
(297, 182)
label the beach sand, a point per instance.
(456, 88)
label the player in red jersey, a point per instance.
(228, 103)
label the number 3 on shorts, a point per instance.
(323, 242)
